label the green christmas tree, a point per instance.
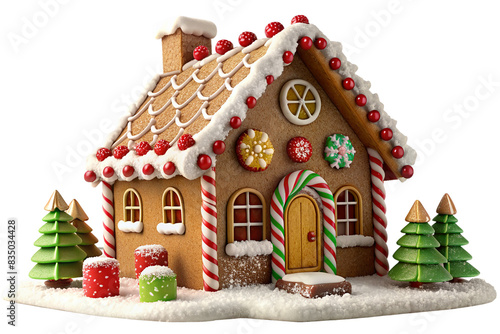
(419, 260)
(448, 233)
(59, 258)
(83, 230)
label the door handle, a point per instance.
(311, 236)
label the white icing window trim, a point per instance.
(346, 241)
(130, 227)
(169, 228)
(284, 102)
(172, 227)
(249, 248)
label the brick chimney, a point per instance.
(181, 38)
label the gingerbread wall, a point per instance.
(184, 251)
(267, 117)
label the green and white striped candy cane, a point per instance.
(288, 188)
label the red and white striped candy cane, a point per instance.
(379, 209)
(109, 220)
(209, 232)
(288, 188)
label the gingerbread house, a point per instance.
(256, 161)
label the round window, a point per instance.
(300, 102)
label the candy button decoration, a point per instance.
(339, 152)
(157, 283)
(149, 255)
(101, 277)
(200, 52)
(246, 38)
(299, 149)
(89, 176)
(254, 150)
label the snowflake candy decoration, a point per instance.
(299, 149)
(339, 152)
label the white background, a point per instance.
(69, 68)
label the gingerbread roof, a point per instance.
(202, 98)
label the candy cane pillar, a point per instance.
(379, 209)
(209, 232)
(109, 220)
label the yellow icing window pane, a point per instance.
(300, 102)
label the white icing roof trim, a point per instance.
(189, 26)
(253, 85)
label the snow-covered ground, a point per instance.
(372, 296)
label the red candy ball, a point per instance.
(251, 102)
(185, 142)
(398, 152)
(89, 176)
(200, 52)
(305, 43)
(246, 38)
(300, 19)
(348, 83)
(320, 43)
(361, 100)
(373, 116)
(273, 28)
(235, 122)
(204, 161)
(407, 171)
(142, 148)
(120, 151)
(161, 147)
(219, 147)
(169, 168)
(101, 277)
(128, 171)
(223, 46)
(102, 154)
(148, 169)
(108, 172)
(287, 57)
(269, 79)
(386, 134)
(335, 63)
(299, 149)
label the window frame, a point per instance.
(131, 208)
(284, 102)
(172, 208)
(230, 214)
(358, 208)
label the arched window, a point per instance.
(349, 212)
(132, 206)
(173, 207)
(246, 216)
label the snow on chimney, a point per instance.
(181, 38)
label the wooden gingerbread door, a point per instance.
(302, 235)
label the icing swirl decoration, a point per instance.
(254, 150)
(339, 152)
